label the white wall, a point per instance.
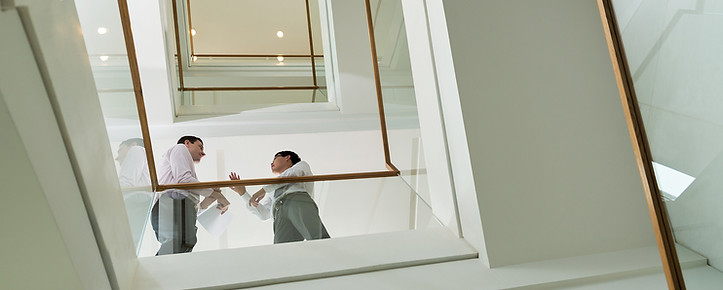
(440, 192)
(59, 49)
(552, 161)
(352, 57)
(48, 241)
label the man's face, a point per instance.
(280, 163)
(196, 150)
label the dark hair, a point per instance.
(294, 157)
(193, 139)
(130, 141)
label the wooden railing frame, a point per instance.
(135, 75)
(192, 52)
(641, 147)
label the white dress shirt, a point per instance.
(275, 192)
(177, 167)
(134, 169)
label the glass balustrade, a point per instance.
(109, 63)
(400, 106)
(346, 208)
(673, 51)
(333, 140)
(234, 101)
(247, 49)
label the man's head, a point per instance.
(284, 160)
(125, 146)
(194, 145)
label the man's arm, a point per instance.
(216, 195)
(182, 166)
(261, 210)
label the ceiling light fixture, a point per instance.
(194, 58)
(193, 32)
(102, 30)
(280, 58)
(103, 57)
(279, 34)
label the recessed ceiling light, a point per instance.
(194, 58)
(102, 30)
(193, 32)
(280, 58)
(279, 34)
(103, 57)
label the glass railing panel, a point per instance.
(337, 127)
(400, 105)
(271, 47)
(109, 63)
(213, 72)
(345, 207)
(676, 64)
(253, 147)
(232, 102)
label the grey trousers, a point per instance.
(174, 221)
(296, 218)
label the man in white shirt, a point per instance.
(133, 164)
(295, 214)
(174, 212)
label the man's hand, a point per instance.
(238, 189)
(222, 202)
(223, 208)
(256, 198)
(206, 202)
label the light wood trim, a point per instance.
(378, 85)
(392, 168)
(136, 77)
(643, 156)
(249, 88)
(256, 55)
(311, 43)
(178, 45)
(277, 180)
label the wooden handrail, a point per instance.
(277, 180)
(136, 78)
(643, 156)
(125, 20)
(177, 35)
(378, 85)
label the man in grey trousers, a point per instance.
(295, 214)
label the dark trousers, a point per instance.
(296, 218)
(174, 222)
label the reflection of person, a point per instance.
(296, 215)
(133, 164)
(135, 181)
(174, 215)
